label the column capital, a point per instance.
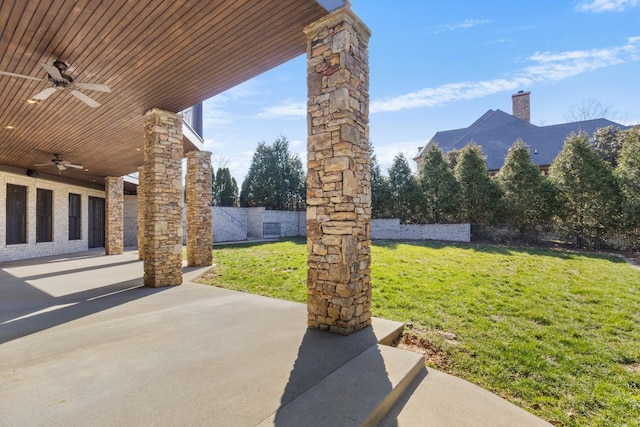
(199, 154)
(334, 18)
(159, 112)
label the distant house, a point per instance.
(496, 131)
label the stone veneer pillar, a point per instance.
(163, 198)
(199, 221)
(114, 206)
(140, 212)
(338, 178)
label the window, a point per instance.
(16, 214)
(74, 217)
(44, 217)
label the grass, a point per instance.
(557, 333)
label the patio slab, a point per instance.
(83, 343)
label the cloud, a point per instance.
(288, 109)
(211, 144)
(499, 41)
(545, 67)
(597, 6)
(215, 109)
(467, 23)
(386, 153)
(213, 112)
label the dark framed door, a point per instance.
(96, 222)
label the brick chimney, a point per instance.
(522, 105)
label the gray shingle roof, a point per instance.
(496, 131)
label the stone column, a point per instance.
(141, 212)
(199, 221)
(114, 206)
(338, 174)
(163, 198)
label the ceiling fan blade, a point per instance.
(61, 166)
(72, 165)
(21, 76)
(53, 71)
(92, 86)
(45, 94)
(45, 164)
(84, 98)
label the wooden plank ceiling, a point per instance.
(151, 53)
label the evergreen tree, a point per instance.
(608, 143)
(525, 197)
(438, 186)
(479, 194)
(380, 191)
(404, 189)
(628, 174)
(588, 193)
(275, 179)
(225, 188)
(452, 159)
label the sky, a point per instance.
(439, 65)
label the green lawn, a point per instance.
(557, 333)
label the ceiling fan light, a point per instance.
(31, 101)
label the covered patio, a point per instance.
(142, 63)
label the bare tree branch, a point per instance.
(589, 109)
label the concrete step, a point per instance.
(387, 332)
(360, 393)
(435, 398)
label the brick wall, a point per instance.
(289, 221)
(238, 224)
(229, 224)
(391, 229)
(254, 223)
(61, 243)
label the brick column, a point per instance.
(199, 221)
(338, 178)
(163, 198)
(140, 212)
(114, 206)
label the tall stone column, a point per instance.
(338, 178)
(114, 206)
(163, 198)
(140, 213)
(199, 221)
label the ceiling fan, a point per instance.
(60, 164)
(62, 81)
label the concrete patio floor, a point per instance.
(83, 343)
